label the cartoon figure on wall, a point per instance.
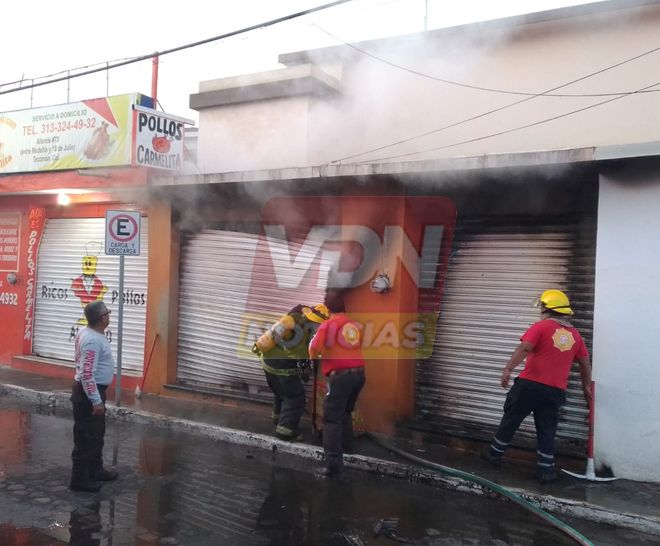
(88, 287)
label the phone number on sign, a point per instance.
(61, 126)
(7, 298)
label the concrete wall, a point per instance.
(256, 135)
(626, 333)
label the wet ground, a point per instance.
(180, 489)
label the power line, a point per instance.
(182, 47)
(491, 89)
(24, 79)
(520, 127)
(506, 106)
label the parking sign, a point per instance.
(122, 233)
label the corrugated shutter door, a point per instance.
(58, 309)
(227, 287)
(493, 279)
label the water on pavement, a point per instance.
(181, 489)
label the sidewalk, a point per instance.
(621, 503)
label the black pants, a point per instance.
(288, 395)
(339, 403)
(88, 434)
(543, 401)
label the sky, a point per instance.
(42, 37)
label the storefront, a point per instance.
(494, 276)
(63, 167)
(72, 271)
(499, 265)
(228, 296)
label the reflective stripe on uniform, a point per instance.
(284, 431)
(286, 372)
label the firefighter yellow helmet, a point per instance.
(556, 300)
(318, 313)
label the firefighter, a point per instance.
(283, 349)
(338, 343)
(550, 346)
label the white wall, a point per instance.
(626, 343)
(256, 135)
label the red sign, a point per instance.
(36, 220)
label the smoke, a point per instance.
(388, 94)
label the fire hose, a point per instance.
(487, 484)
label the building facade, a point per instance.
(471, 167)
(552, 181)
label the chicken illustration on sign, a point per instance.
(88, 287)
(158, 140)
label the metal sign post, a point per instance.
(122, 238)
(120, 330)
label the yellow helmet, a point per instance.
(556, 300)
(318, 313)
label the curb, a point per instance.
(567, 507)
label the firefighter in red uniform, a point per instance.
(550, 347)
(338, 343)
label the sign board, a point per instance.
(122, 233)
(10, 239)
(86, 134)
(158, 139)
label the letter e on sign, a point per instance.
(122, 232)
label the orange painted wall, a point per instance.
(163, 301)
(389, 394)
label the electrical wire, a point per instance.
(546, 93)
(181, 48)
(493, 89)
(24, 79)
(499, 133)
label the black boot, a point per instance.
(493, 458)
(104, 475)
(82, 482)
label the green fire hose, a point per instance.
(548, 518)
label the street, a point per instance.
(180, 489)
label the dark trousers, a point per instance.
(543, 401)
(88, 434)
(339, 403)
(288, 395)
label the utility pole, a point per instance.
(154, 81)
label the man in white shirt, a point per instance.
(95, 368)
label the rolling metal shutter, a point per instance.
(58, 309)
(495, 274)
(228, 297)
